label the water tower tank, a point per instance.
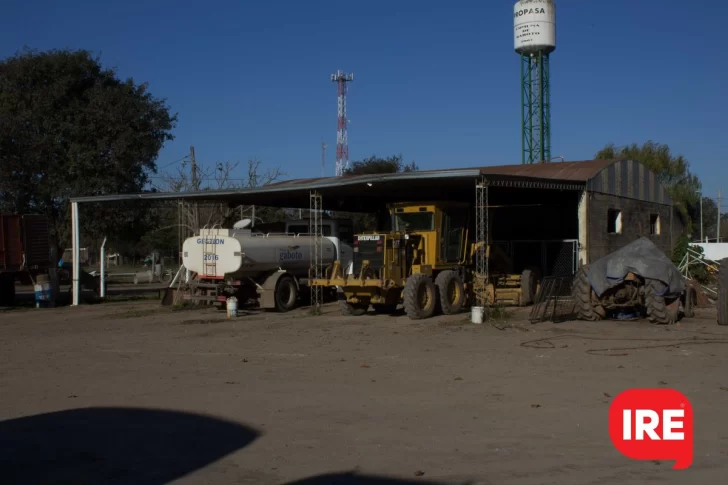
(534, 23)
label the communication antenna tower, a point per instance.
(342, 142)
(534, 23)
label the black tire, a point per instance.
(581, 291)
(450, 292)
(722, 302)
(420, 297)
(384, 308)
(658, 310)
(165, 278)
(690, 302)
(528, 287)
(352, 309)
(286, 294)
(7, 289)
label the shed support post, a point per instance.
(482, 241)
(102, 289)
(76, 251)
(583, 217)
(316, 240)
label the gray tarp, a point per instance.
(641, 257)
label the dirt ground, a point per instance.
(136, 393)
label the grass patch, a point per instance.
(315, 311)
(139, 313)
(184, 305)
(203, 321)
(496, 313)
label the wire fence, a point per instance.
(551, 257)
(554, 302)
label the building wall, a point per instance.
(635, 223)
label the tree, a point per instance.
(69, 127)
(222, 177)
(672, 170)
(375, 165)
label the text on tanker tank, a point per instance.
(289, 255)
(201, 240)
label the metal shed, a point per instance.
(596, 205)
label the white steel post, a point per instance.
(103, 269)
(76, 251)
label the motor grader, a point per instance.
(426, 263)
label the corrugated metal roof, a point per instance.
(567, 171)
(390, 184)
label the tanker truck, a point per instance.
(272, 268)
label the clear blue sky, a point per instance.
(435, 81)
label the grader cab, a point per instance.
(426, 263)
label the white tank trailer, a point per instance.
(271, 267)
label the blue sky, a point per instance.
(437, 82)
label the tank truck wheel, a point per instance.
(286, 294)
(451, 292)
(420, 297)
(581, 291)
(352, 309)
(659, 310)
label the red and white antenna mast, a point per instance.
(342, 141)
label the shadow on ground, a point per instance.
(355, 479)
(114, 446)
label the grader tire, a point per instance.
(581, 291)
(658, 311)
(451, 292)
(352, 309)
(420, 297)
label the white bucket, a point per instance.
(232, 307)
(476, 314)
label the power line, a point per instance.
(172, 163)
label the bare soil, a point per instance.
(137, 393)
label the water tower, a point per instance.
(534, 25)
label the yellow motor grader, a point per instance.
(426, 263)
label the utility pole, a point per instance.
(195, 187)
(717, 230)
(193, 163)
(701, 217)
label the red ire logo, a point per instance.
(653, 424)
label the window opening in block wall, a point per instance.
(654, 224)
(614, 221)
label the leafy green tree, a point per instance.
(672, 170)
(374, 165)
(70, 127)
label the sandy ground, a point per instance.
(135, 393)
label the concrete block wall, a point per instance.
(635, 218)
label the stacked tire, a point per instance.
(723, 293)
